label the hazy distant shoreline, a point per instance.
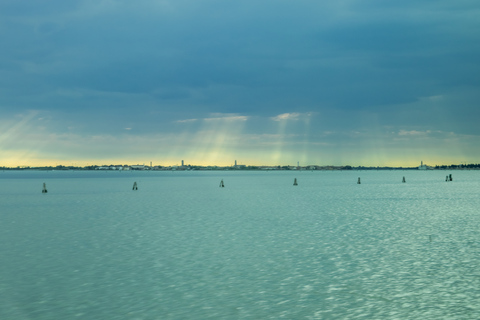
(236, 168)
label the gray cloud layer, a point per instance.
(354, 63)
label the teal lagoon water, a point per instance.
(182, 248)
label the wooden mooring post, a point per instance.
(221, 184)
(44, 190)
(135, 187)
(295, 183)
(358, 182)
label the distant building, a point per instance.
(111, 167)
(424, 166)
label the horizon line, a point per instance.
(235, 166)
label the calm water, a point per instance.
(182, 248)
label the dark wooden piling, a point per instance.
(44, 190)
(450, 177)
(358, 182)
(135, 187)
(295, 183)
(404, 180)
(221, 184)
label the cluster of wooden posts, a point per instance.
(222, 185)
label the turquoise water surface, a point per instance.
(182, 248)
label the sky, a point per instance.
(346, 82)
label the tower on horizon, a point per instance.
(182, 163)
(235, 163)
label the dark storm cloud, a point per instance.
(354, 54)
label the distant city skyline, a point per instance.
(336, 83)
(236, 165)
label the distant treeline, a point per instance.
(459, 166)
(50, 168)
